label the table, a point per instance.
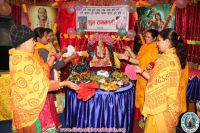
(104, 110)
(193, 88)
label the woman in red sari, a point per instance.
(48, 117)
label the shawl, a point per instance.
(29, 86)
(163, 91)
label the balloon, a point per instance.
(1, 1)
(71, 31)
(80, 31)
(151, 1)
(71, 9)
(121, 32)
(131, 33)
(181, 3)
(5, 9)
(78, 6)
(125, 2)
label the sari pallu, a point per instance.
(162, 105)
(29, 86)
(48, 117)
(148, 53)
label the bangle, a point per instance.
(142, 72)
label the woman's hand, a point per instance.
(130, 52)
(58, 55)
(138, 69)
(71, 85)
(121, 56)
(127, 48)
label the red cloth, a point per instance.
(87, 90)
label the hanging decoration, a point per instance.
(70, 9)
(121, 32)
(126, 2)
(142, 3)
(181, 3)
(24, 9)
(78, 6)
(131, 33)
(193, 42)
(80, 31)
(110, 39)
(170, 15)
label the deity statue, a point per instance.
(101, 56)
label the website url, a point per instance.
(74, 129)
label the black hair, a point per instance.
(154, 33)
(158, 15)
(39, 32)
(48, 30)
(177, 42)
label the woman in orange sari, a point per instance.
(162, 105)
(148, 53)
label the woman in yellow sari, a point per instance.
(28, 82)
(162, 105)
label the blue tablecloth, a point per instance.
(104, 110)
(193, 89)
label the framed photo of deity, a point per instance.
(154, 17)
(40, 16)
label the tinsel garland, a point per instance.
(114, 37)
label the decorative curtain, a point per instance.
(16, 13)
(188, 25)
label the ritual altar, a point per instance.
(111, 111)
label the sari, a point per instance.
(29, 86)
(148, 53)
(48, 117)
(60, 96)
(183, 87)
(162, 105)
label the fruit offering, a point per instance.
(111, 83)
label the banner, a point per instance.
(154, 17)
(102, 18)
(40, 16)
